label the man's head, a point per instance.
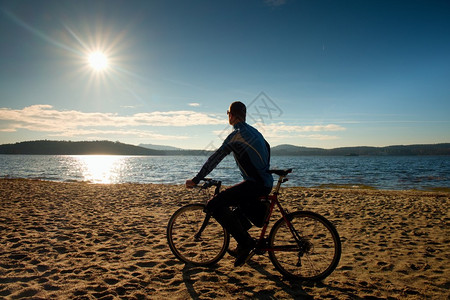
(237, 112)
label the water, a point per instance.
(394, 173)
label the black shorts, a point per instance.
(247, 197)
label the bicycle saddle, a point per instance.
(280, 172)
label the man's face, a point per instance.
(230, 116)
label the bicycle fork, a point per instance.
(198, 235)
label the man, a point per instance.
(252, 155)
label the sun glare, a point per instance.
(98, 61)
(100, 168)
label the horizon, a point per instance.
(193, 149)
(321, 75)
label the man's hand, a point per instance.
(190, 184)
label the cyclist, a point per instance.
(234, 206)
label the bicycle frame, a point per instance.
(311, 243)
(261, 243)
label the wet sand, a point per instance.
(88, 241)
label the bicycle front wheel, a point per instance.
(192, 242)
(309, 250)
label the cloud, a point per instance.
(47, 117)
(194, 104)
(100, 134)
(72, 123)
(44, 118)
(320, 137)
(7, 130)
(279, 131)
(282, 127)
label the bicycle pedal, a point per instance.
(250, 255)
(259, 251)
(260, 246)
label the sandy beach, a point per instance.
(88, 241)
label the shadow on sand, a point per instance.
(237, 285)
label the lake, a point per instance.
(380, 172)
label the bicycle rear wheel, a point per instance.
(313, 255)
(191, 245)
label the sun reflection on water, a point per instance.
(100, 168)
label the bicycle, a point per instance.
(302, 245)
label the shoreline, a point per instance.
(330, 186)
(78, 240)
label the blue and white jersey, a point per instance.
(251, 152)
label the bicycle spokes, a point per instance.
(305, 247)
(196, 238)
(301, 245)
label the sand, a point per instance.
(87, 241)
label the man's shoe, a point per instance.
(244, 253)
(234, 252)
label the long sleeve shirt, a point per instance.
(251, 152)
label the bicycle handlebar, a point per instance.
(208, 182)
(281, 172)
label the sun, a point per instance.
(98, 61)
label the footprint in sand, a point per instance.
(140, 253)
(111, 281)
(146, 264)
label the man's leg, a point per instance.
(220, 208)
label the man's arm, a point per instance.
(190, 184)
(211, 163)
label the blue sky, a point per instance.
(313, 73)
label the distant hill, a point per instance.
(295, 150)
(169, 150)
(429, 149)
(117, 148)
(159, 147)
(75, 148)
(88, 148)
